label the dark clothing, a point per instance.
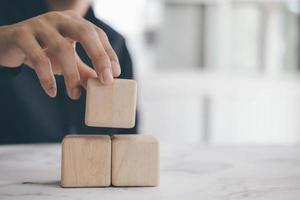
(27, 114)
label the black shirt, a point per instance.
(27, 114)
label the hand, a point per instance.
(47, 42)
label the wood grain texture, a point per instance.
(86, 161)
(135, 160)
(111, 105)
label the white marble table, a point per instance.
(187, 172)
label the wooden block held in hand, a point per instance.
(111, 105)
(135, 160)
(86, 161)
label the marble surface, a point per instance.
(187, 172)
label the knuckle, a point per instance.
(56, 47)
(38, 59)
(111, 52)
(23, 29)
(102, 61)
(72, 79)
(68, 47)
(59, 46)
(47, 82)
(20, 33)
(37, 21)
(101, 33)
(100, 55)
(57, 15)
(86, 30)
(71, 13)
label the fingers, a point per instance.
(47, 40)
(36, 58)
(85, 72)
(63, 53)
(101, 54)
(116, 69)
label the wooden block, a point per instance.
(135, 160)
(111, 105)
(86, 161)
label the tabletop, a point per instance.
(187, 172)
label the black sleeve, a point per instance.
(6, 72)
(125, 60)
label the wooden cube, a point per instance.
(135, 160)
(111, 105)
(86, 161)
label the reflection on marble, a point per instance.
(187, 172)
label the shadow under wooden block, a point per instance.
(111, 105)
(86, 161)
(135, 160)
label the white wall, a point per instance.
(247, 88)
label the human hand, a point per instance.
(46, 43)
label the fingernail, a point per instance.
(116, 69)
(52, 92)
(107, 76)
(75, 93)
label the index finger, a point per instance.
(87, 36)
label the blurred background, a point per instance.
(214, 71)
